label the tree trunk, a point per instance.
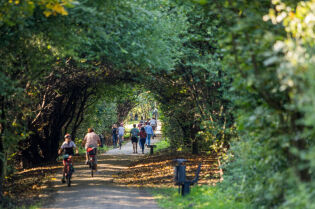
(195, 149)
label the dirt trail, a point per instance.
(100, 191)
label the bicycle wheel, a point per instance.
(92, 167)
(69, 179)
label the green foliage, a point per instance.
(100, 116)
(191, 96)
(161, 145)
(267, 161)
(145, 105)
(219, 70)
(200, 197)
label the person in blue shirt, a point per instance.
(149, 131)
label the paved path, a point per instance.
(100, 191)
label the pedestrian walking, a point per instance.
(143, 137)
(102, 139)
(121, 132)
(155, 113)
(149, 131)
(153, 123)
(134, 133)
(114, 134)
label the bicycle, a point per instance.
(92, 162)
(68, 169)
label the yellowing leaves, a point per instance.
(15, 2)
(158, 170)
(13, 11)
(56, 7)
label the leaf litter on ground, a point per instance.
(158, 170)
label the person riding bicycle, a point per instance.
(67, 147)
(91, 139)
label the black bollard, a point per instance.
(180, 177)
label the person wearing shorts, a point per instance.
(121, 132)
(134, 133)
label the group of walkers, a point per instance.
(118, 135)
(144, 131)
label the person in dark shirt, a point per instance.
(143, 136)
(68, 146)
(134, 133)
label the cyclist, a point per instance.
(67, 146)
(91, 139)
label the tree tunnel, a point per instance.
(102, 55)
(218, 70)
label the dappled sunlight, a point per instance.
(158, 171)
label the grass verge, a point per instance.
(201, 197)
(162, 145)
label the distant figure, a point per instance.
(134, 133)
(136, 116)
(143, 137)
(121, 132)
(102, 139)
(114, 134)
(155, 113)
(153, 123)
(130, 115)
(149, 131)
(141, 121)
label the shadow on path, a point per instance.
(99, 191)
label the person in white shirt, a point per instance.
(121, 132)
(153, 123)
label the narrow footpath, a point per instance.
(100, 191)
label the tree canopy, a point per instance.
(231, 77)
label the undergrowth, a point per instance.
(201, 197)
